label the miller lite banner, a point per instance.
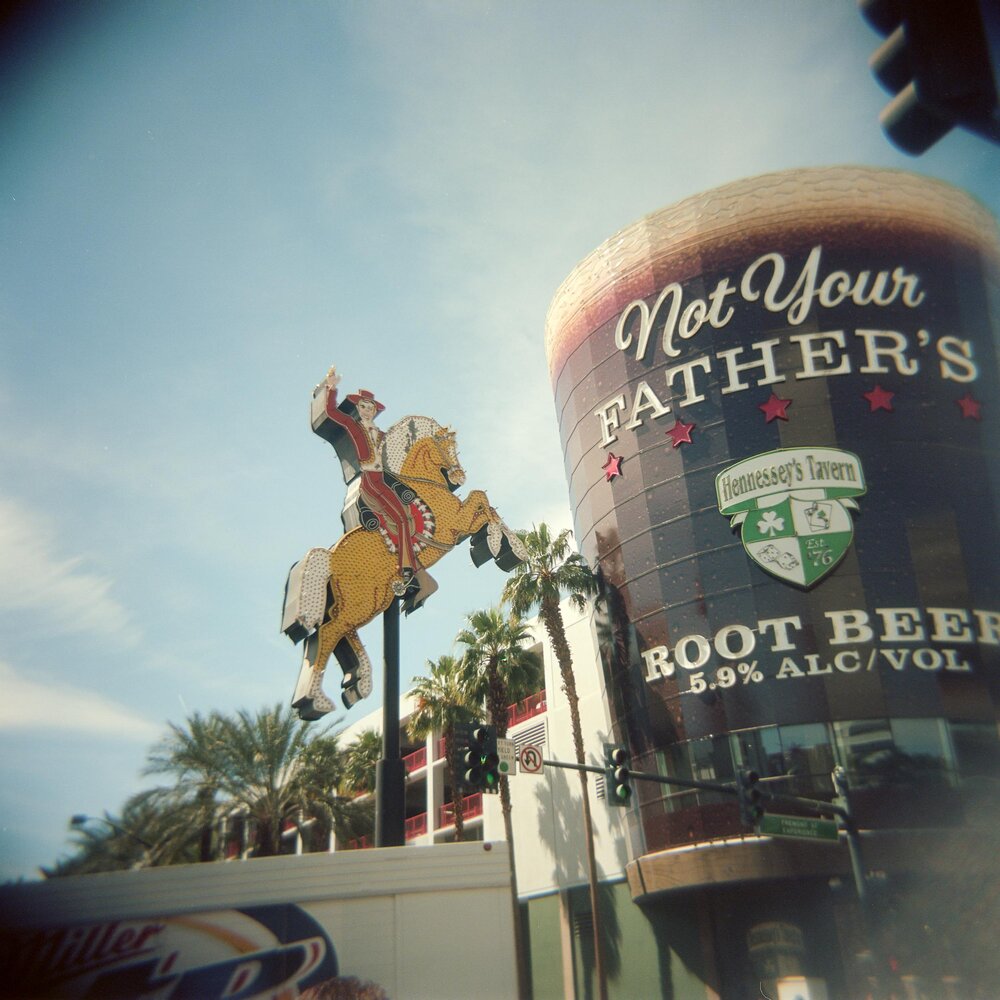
(258, 952)
(348, 925)
(778, 406)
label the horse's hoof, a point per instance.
(313, 703)
(307, 711)
(311, 709)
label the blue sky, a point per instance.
(204, 205)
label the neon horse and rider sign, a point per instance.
(400, 516)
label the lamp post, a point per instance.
(390, 778)
(79, 821)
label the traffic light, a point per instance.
(478, 760)
(617, 784)
(489, 758)
(939, 60)
(750, 797)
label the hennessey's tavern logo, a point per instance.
(792, 507)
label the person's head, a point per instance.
(345, 988)
(367, 406)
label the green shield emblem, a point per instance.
(792, 507)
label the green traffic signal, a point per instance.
(617, 781)
(621, 791)
(491, 772)
(480, 760)
(490, 759)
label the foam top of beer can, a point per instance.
(786, 211)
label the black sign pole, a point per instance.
(840, 808)
(390, 774)
(869, 924)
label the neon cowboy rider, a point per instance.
(376, 486)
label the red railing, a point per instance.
(416, 760)
(473, 806)
(517, 713)
(528, 708)
(416, 826)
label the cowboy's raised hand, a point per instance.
(332, 379)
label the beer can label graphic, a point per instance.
(778, 407)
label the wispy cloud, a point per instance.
(30, 703)
(36, 578)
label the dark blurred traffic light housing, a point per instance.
(617, 781)
(479, 761)
(750, 797)
(940, 63)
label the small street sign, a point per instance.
(508, 757)
(801, 827)
(531, 759)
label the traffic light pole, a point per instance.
(390, 772)
(841, 810)
(708, 786)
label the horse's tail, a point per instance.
(306, 594)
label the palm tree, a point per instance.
(316, 792)
(262, 766)
(500, 670)
(442, 701)
(550, 572)
(267, 767)
(189, 754)
(158, 826)
(362, 757)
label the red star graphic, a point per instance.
(879, 399)
(970, 407)
(612, 467)
(680, 433)
(775, 408)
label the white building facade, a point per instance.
(547, 814)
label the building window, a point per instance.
(808, 759)
(864, 748)
(759, 750)
(921, 747)
(711, 760)
(977, 750)
(675, 761)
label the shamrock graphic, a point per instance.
(770, 524)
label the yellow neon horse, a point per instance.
(332, 593)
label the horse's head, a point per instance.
(444, 442)
(419, 448)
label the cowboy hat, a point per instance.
(356, 397)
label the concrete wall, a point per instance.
(424, 924)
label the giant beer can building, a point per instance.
(778, 408)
